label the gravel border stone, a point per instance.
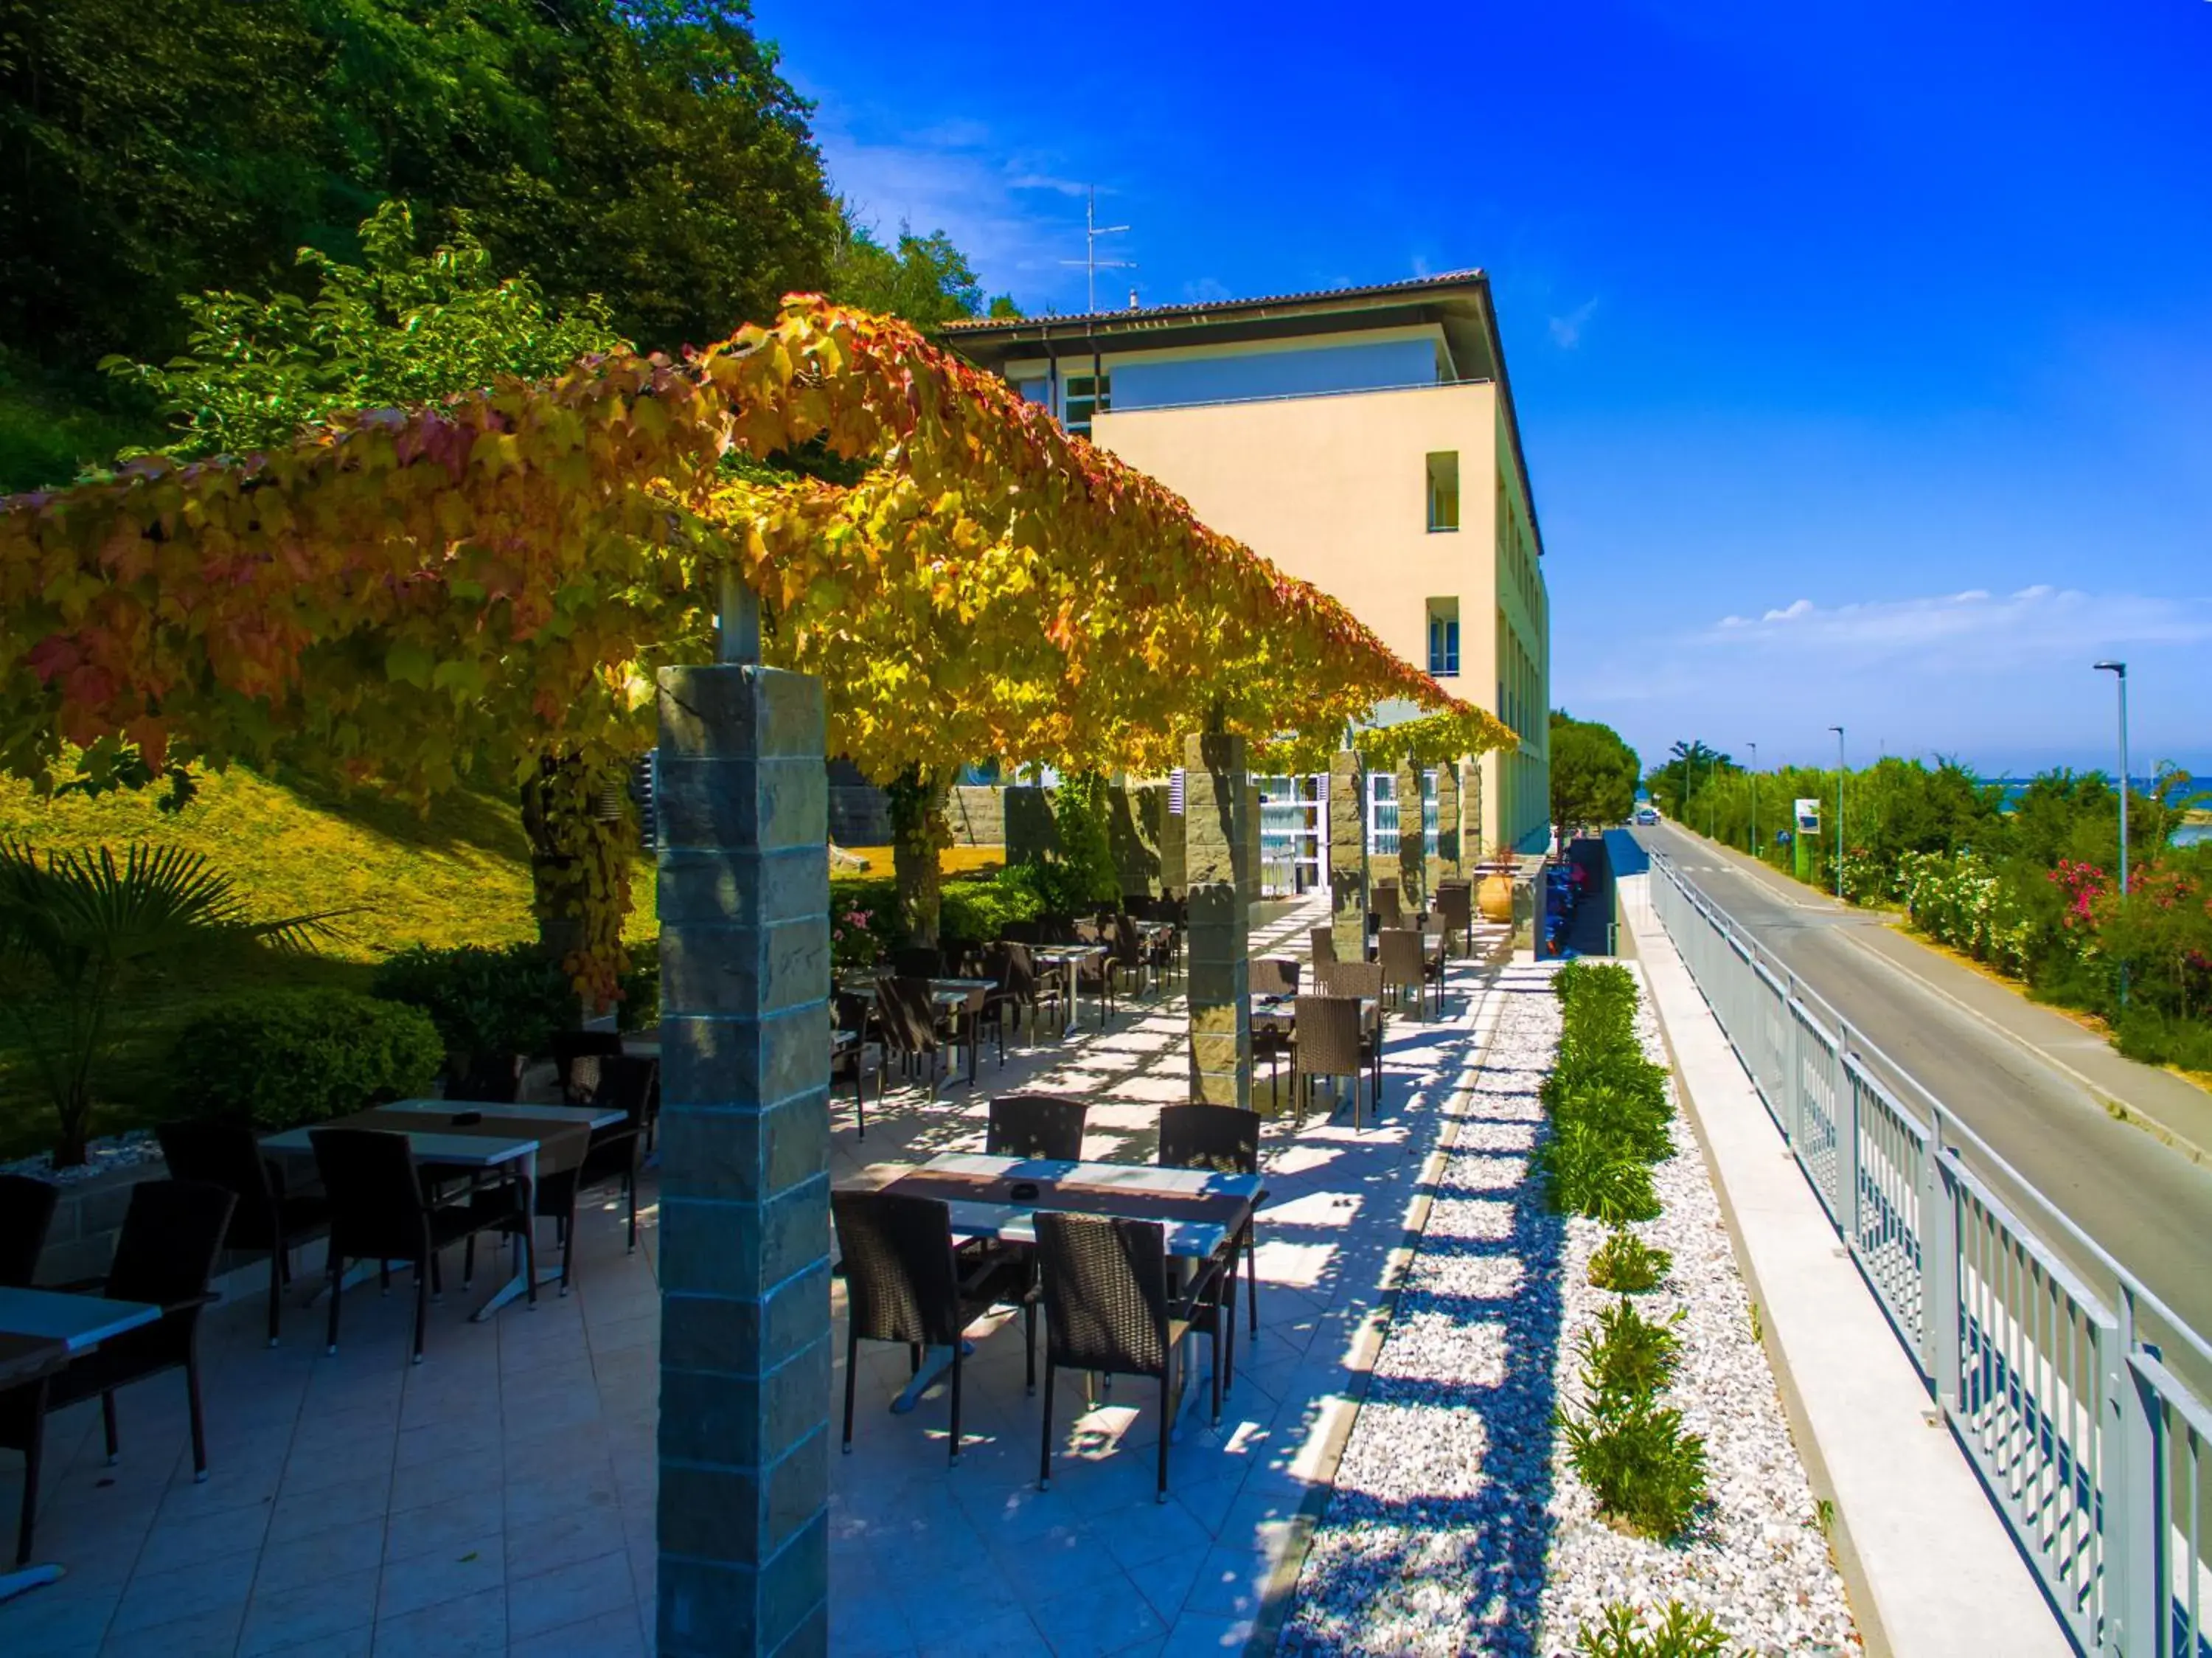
(1456, 1524)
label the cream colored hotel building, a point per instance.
(1362, 438)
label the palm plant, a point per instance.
(72, 930)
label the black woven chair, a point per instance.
(619, 1082)
(166, 1253)
(918, 961)
(1455, 909)
(912, 1025)
(26, 1211)
(571, 1052)
(1226, 1141)
(268, 1216)
(853, 1017)
(1035, 1125)
(1107, 1310)
(379, 1213)
(494, 1078)
(1272, 975)
(1331, 1042)
(902, 1282)
(1387, 910)
(1403, 954)
(1095, 973)
(1021, 989)
(1321, 945)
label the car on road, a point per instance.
(1646, 816)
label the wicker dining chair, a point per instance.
(379, 1213)
(574, 1056)
(912, 1025)
(855, 1016)
(1035, 1125)
(904, 1283)
(269, 1216)
(1387, 907)
(27, 1209)
(165, 1255)
(1272, 975)
(1224, 1139)
(1322, 945)
(621, 1083)
(1455, 908)
(1403, 955)
(1331, 1042)
(1108, 1310)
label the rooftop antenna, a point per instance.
(1091, 262)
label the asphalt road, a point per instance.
(2145, 1203)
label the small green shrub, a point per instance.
(486, 1003)
(1624, 1262)
(1586, 1170)
(2147, 1035)
(1645, 1469)
(1627, 1359)
(1622, 1632)
(294, 1057)
(640, 1008)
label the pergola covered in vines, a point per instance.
(409, 596)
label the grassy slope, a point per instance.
(458, 875)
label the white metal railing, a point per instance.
(2098, 1456)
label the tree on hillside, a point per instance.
(645, 150)
(1593, 773)
(402, 328)
(924, 279)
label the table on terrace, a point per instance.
(1199, 1211)
(523, 1140)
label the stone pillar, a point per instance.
(1413, 845)
(1449, 866)
(1348, 854)
(745, 1145)
(1215, 792)
(1470, 813)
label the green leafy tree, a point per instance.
(1594, 772)
(924, 279)
(402, 328)
(1690, 767)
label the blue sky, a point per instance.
(1863, 353)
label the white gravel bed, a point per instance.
(1456, 1524)
(101, 1157)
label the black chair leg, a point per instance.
(1252, 1280)
(1166, 1424)
(1224, 1309)
(852, 1375)
(1029, 1341)
(955, 1401)
(34, 1450)
(199, 1416)
(422, 1312)
(107, 1425)
(629, 1192)
(469, 1260)
(1044, 1449)
(338, 1278)
(277, 1277)
(437, 1278)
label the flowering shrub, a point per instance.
(853, 942)
(2083, 885)
(1965, 902)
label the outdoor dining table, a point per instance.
(40, 1331)
(527, 1140)
(1199, 1211)
(1072, 956)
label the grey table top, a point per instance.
(78, 1322)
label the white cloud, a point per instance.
(1970, 629)
(1567, 331)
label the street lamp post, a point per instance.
(2119, 673)
(1754, 798)
(1839, 730)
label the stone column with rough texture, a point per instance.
(1449, 866)
(1470, 813)
(745, 1164)
(1347, 855)
(1217, 864)
(1412, 844)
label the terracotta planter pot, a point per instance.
(1494, 897)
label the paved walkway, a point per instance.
(499, 1497)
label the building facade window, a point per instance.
(1443, 637)
(1382, 815)
(1082, 396)
(1443, 489)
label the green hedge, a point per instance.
(291, 1056)
(485, 1002)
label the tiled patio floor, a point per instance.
(499, 1498)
